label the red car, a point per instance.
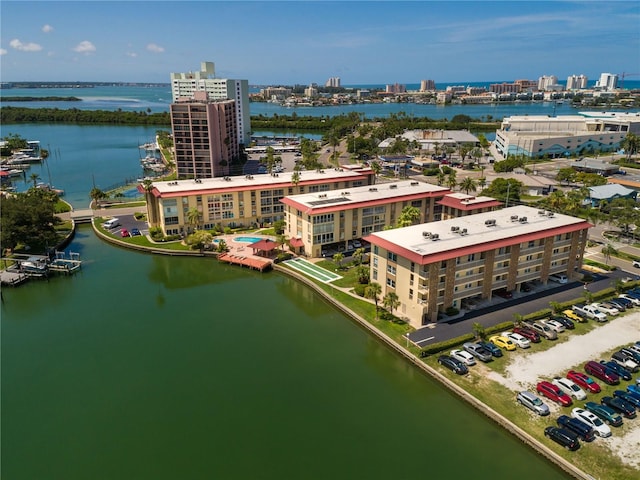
(124, 233)
(552, 392)
(584, 381)
(528, 333)
(603, 373)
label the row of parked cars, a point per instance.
(595, 418)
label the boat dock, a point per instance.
(255, 263)
(20, 268)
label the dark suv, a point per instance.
(603, 373)
(562, 436)
(581, 429)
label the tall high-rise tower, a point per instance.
(186, 84)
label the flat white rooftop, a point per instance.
(438, 237)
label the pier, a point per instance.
(20, 268)
(246, 261)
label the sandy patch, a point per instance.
(526, 370)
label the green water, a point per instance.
(149, 367)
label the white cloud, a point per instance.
(3, 51)
(25, 47)
(47, 28)
(152, 47)
(85, 47)
(131, 54)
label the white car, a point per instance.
(518, 339)
(569, 387)
(555, 325)
(464, 357)
(633, 300)
(558, 277)
(601, 429)
(607, 308)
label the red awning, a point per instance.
(296, 242)
(264, 245)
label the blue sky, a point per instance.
(301, 42)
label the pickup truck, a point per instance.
(590, 311)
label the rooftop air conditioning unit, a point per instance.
(435, 236)
(522, 219)
(541, 212)
(373, 189)
(463, 231)
(455, 229)
(550, 214)
(415, 183)
(514, 218)
(393, 186)
(426, 234)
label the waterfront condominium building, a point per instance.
(577, 82)
(427, 85)
(333, 82)
(607, 82)
(537, 136)
(186, 84)
(205, 136)
(249, 200)
(547, 82)
(325, 221)
(441, 265)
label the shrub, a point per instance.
(359, 289)
(452, 311)
(139, 215)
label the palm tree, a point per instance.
(440, 177)
(338, 258)
(391, 301)
(451, 180)
(96, 195)
(607, 251)
(357, 255)
(478, 330)
(377, 168)
(371, 292)
(34, 177)
(193, 217)
(468, 184)
(408, 216)
(295, 177)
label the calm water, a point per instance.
(150, 367)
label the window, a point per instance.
(391, 269)
(392, 256)
(391, 283)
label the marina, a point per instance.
(20, 267)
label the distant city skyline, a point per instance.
(272, 43)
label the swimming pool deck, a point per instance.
(241, 253)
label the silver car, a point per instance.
(533, 403)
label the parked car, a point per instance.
(478, 351)
(464, 357)
(602, 372)
(600, 428)
(606, 414)
(567, 323)
(555, 325)
(631, 297)
(135, 232)
(625, 302)
(502, 342)
(636, 263)
(525, 287)
(554, 393)
(559, 278)
(582, 430)
(544, 330)
(518, 339)
(632, 353)
(627, 397)
(625, 361)
(571, 315)
(634, 390)
(619, 370)
(124, 233)
(584, 381)
(491, 347)
(533, 403)
(619, 303)
(569, 387)
(502, 292)
(452, 364)
(528, 333)
(607, 308)
(564, 437)
(619, 405)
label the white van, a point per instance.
(109, 224)
(558, 277)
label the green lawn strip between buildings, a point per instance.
(311, 270)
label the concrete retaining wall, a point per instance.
(485, 409)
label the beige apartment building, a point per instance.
(434, 266)
(239, 201)
(321, 222)
(460, 204)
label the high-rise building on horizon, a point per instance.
(184, 85)
(608, 81)
(395, 88)
(547, 82)
(577, 82)
(205, 136)
(333, 82)
(427, 85)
